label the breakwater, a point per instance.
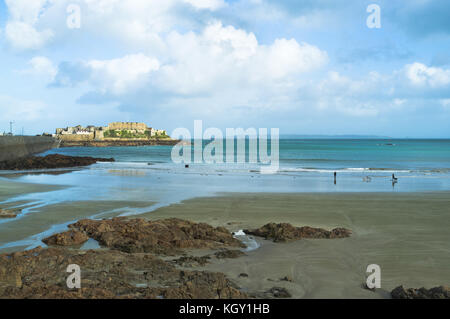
(12, 147)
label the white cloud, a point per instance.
(23, 36)
(25, 10)
(20, 30)
(41, 66)
(287, 57)
(224, 64)
(226, 58)
(421, 75)
(122, 75)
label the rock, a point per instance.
(441, 292)
(229, 254)
(41, 273)
(279, 292)
(191, 261)
(243, 275)
(50, 161)
(8, 213)
(286, 232)
(166, 236)
(287, 278)
(68, 238)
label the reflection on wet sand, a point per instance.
(127, 172)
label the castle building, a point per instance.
(128, 126)
(111, 131)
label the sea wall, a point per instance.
(12, 147)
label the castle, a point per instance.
(115, 130)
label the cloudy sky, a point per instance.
(306, 67)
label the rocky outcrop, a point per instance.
(441, 292)
(161, 237)
(68, 238)
(226, 253)
(9, 213)
(286, 232)
(50, 161)
(41, 273)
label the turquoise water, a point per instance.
(305, 166)
(313, 155)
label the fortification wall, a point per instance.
(76, 137)
(127, 126)
(12, 147)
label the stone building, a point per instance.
(128, 126)
(101, 132)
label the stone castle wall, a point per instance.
(77, 137)
(128, 126)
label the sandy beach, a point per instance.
(406, 234)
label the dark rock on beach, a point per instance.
(8, 213)
(68, 238)
(161, 237)
(441, 292)
(287, 278)
(226, 253)
(50, 161)
(42, 273)
(286, 232)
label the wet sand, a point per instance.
(406, 234)
(10, 188)
(44, 218)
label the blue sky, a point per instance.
(306, 67)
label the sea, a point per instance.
(305, 165)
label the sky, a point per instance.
(305, 67)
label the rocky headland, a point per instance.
(50, 162)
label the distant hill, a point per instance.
(298, 136)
